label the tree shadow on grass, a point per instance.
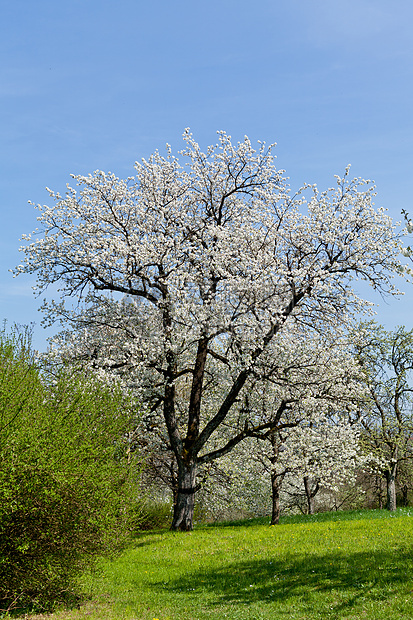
(369, 576)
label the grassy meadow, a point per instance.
(356, 565)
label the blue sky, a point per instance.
(93, 84)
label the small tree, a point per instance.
(216, 258)
(386, 359)
(321, 455)
(305, 416)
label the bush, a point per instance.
(64, 497)
(45, 534)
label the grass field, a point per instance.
(355, 565)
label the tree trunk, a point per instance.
(185, 498)
(276, 482)
(390, 475)
(276, 479)
(310, 495)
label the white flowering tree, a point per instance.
(308, 412)
(236, 486)
(300, 405)
(386, 359)
(318, 455)
(217, 258)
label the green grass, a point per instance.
(356, 565)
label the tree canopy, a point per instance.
(197, 271)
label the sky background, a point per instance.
(96, 84)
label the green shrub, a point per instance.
(45, 534)
(65, 488)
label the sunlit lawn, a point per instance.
(357, 565)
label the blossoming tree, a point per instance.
(217, 258)
(308, 412)
(386, 359)
(300, 405)
(322, 454)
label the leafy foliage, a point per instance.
(63, 495)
